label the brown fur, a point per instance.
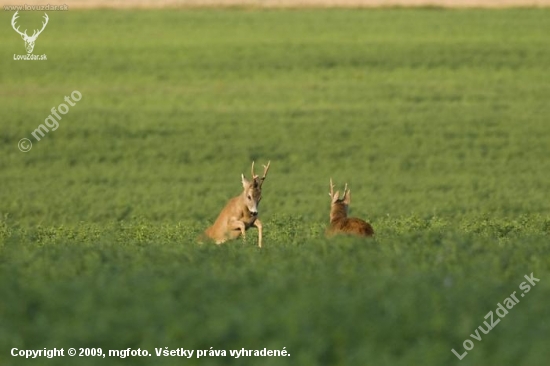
(339, 221)
(238, 215)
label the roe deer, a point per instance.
(339, 221)
(241, 212)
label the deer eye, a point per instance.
(249, 197)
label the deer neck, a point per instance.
(338, 212)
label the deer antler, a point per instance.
(254, 176)
(13, 19)
(331, 193)
(35, 34)
(266, 168)
(345, 190)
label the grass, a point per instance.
(437, 119)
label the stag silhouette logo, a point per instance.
(29, 40)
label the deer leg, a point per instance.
(236, 224)
(258, 224)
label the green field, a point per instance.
(437, 119)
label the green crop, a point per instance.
(437, 120)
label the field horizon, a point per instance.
(274, 4)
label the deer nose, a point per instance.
(254, 213)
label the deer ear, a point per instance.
(245, 181)
(335, 196)
(347, 197)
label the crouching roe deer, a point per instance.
(340, 223)
(241, 212)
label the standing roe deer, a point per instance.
(241, 212)
(339, 221)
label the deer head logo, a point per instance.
(29, 41)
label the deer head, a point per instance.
(253, 189)
(29, 41)
(335, 197)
